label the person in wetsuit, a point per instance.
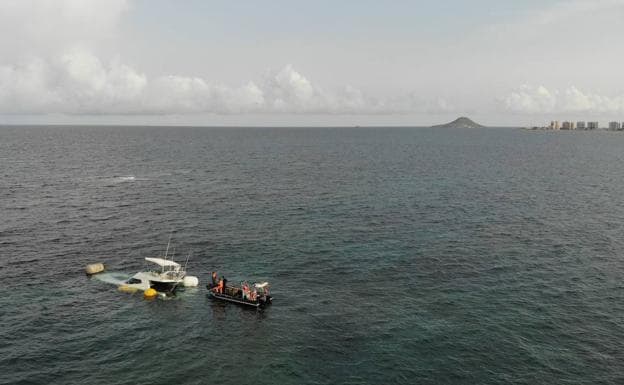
(224, 284)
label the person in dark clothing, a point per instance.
(224, 285)
(215, 281)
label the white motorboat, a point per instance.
(164, 279)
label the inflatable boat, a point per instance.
(256, 295)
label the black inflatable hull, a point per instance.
(238, 300)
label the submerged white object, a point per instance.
(164, 279)
(190, 281)
(94, 268)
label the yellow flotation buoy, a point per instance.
(150, 293)
(127, 289)
(94, 268)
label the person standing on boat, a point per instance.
(245, 290)
(220, 286)
(214, 279)
(254, 295)
(224, 284)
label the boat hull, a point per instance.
(240, 301)
(146, 280)
(164, 287)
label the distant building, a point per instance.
(614, 126)
(592, 125)
(566, 125)
(556, 125)
(580, 125)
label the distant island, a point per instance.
(461, 122)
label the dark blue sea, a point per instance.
(396, 255)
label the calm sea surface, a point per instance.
(397, 255)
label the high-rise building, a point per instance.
(566, 125)
(614, 126)
(556, 125)
(592, 125)
(580, 125)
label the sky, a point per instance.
(302, 63)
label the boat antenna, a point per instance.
(187, 259)
(166, 251)
(168, 243)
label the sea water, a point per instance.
(396, 255)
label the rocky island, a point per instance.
(461, 122)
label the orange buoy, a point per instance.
(150, 293)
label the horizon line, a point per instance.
(238, 126)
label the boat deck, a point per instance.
(236, 297)
(240, 301)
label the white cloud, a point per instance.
(289, 91)
(530, 99)
(78, 82)
(180, 94)
(288, 88)
(48, 60)
(92, 87)
(94, 57)
(539, 100)
(52, 61)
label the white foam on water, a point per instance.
(119, 179)
(112, 278)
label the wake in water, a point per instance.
(118, 179)
(112, 278)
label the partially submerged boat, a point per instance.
(166, 279)
(256, 295)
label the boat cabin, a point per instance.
(166, 279)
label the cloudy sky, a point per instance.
(291, 62)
